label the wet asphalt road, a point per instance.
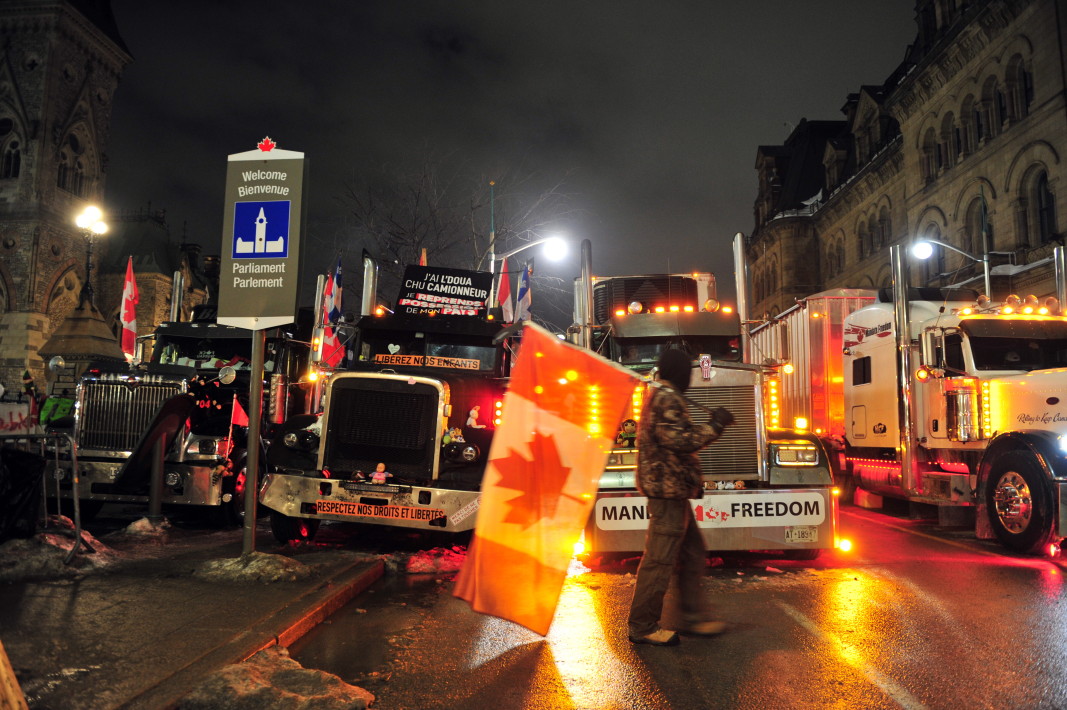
(917, 616)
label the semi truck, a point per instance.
(955, 400)
(403, 434)
(171, 416)
(765, 489)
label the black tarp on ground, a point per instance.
(20, 492)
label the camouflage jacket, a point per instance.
(667, 442)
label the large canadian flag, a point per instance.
(561, 412)
(128, 312)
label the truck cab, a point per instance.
(765, 488)
(421, 400)
(180, 399)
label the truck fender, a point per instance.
(1043, 446)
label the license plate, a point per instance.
(802, 533)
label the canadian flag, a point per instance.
(128, 313)
(561, 411)
(504, 293)
(333, 350)
(238, 417)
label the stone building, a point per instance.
(60, 65)
(963, 143)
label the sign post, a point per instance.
(260, 269)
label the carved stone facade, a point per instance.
(963, 143)
(60, 65)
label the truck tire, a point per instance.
(288, 529)
(1020, 503)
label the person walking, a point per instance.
(668, 475)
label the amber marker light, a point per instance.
(727, 309)
(688, 309)
(675, 309)
(844, 545)
(787, 368)
(620, 312)
(660, 309)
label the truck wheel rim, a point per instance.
(1013, 502)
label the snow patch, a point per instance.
(254, 567)
(44, 554)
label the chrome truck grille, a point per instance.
(388, 421)
(737, 452)
(113, 415)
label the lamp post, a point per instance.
(922, 249)
(555, 249)
(92, 226)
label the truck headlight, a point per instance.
(796, 455)
(301, 439)
(202, 447)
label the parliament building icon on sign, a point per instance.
(261, 230)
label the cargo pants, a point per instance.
(673, 546)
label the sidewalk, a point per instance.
(142, 632)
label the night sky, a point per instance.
(652, 112)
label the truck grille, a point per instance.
(737, 452)
(386, 421)
(113, 415)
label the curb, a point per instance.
(280, 627)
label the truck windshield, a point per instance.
(1017, 344)
(212, 353)
(641, 352)
(1018, 353)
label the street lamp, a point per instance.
(924, 248)
(555, 249)
(92, 226)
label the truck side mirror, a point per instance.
(227, 375)
(930, 349)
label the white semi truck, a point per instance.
(953, 400)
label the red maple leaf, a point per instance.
(539, 480)
(266, 144)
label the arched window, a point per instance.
(10, 150)
(79, 182)
(968, 128)
(861, 241)
(947, 144)
(841, 255)
(931, 160)
(885, 227)
(63, 172)
(11, 161)
(72, 174)
(992, 103)
(1045, 202)
(978, 230)
(934, 266)
(1019, 88)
